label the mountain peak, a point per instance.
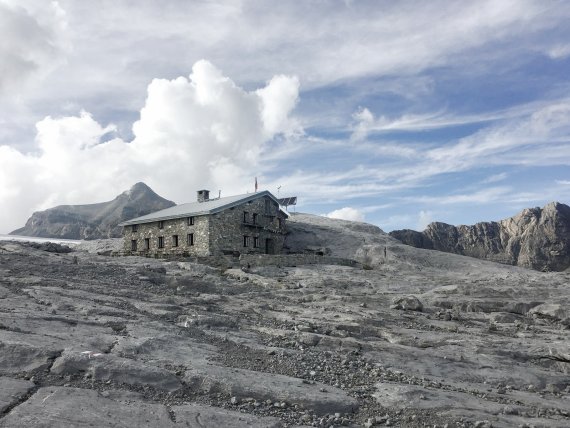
(140, 187)
(94, 221)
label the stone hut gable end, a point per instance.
(242, 224)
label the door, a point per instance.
(269, 247)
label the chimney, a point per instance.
(203, 195)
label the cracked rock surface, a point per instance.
(415, 338)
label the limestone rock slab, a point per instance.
(198, 416)
(11, 390)
(105, 367)
(319, 398)
(75, 407)
(18, 357)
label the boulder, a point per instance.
(407, 303)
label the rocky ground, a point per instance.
(415, 338)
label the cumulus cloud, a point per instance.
(364, 120)
(203, 131)
(32, 42)
(347, 213)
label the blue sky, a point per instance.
(395, 113)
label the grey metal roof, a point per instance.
(193, 209)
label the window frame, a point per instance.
(246, 216)
(246, 241)
(161, 242)
(161, 224)
(175, 240)
(134, 228)
(256, 242)
(190, 221)
(147, 243)
(133, 245)
(190, 239)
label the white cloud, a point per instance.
(495, 178)
(364, 121)
(201, 131)
(424, 218)
(347, 213)
(483, 196)
(32, 42)
(559, 51)
(496, 144)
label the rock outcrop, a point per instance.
(535, 238)
(94, 221)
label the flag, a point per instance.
(256, 184)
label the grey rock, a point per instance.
(20, 357)
(309, 339)
(11, 390)
(553, 311)
(74, 407)
(451, 370)
(272, 387)
(407, 303)
(535, 238)
(107, 367)
(198, 416)
(94, 221)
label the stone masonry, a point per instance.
(254, 226)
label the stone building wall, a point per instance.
(228, 228)
(215, 234)
(175, 227)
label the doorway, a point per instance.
(269, 246)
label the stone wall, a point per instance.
(216, 234)
(178, 227)
(291, 260)
(228, 228)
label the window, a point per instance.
(135, 227)
(245, 217)
(190, 240)
(161, 242)
(175, 240)
(190, 221)
(161, 225)
(267, 206)
(134, 245)
(254, 218)
(245, 241)
(147, 243)
(256, 242)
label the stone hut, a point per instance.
(244, 224)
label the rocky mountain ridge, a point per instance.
(536, 238)
(94, 221)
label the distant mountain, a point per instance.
(535, 238)
(94, 221)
